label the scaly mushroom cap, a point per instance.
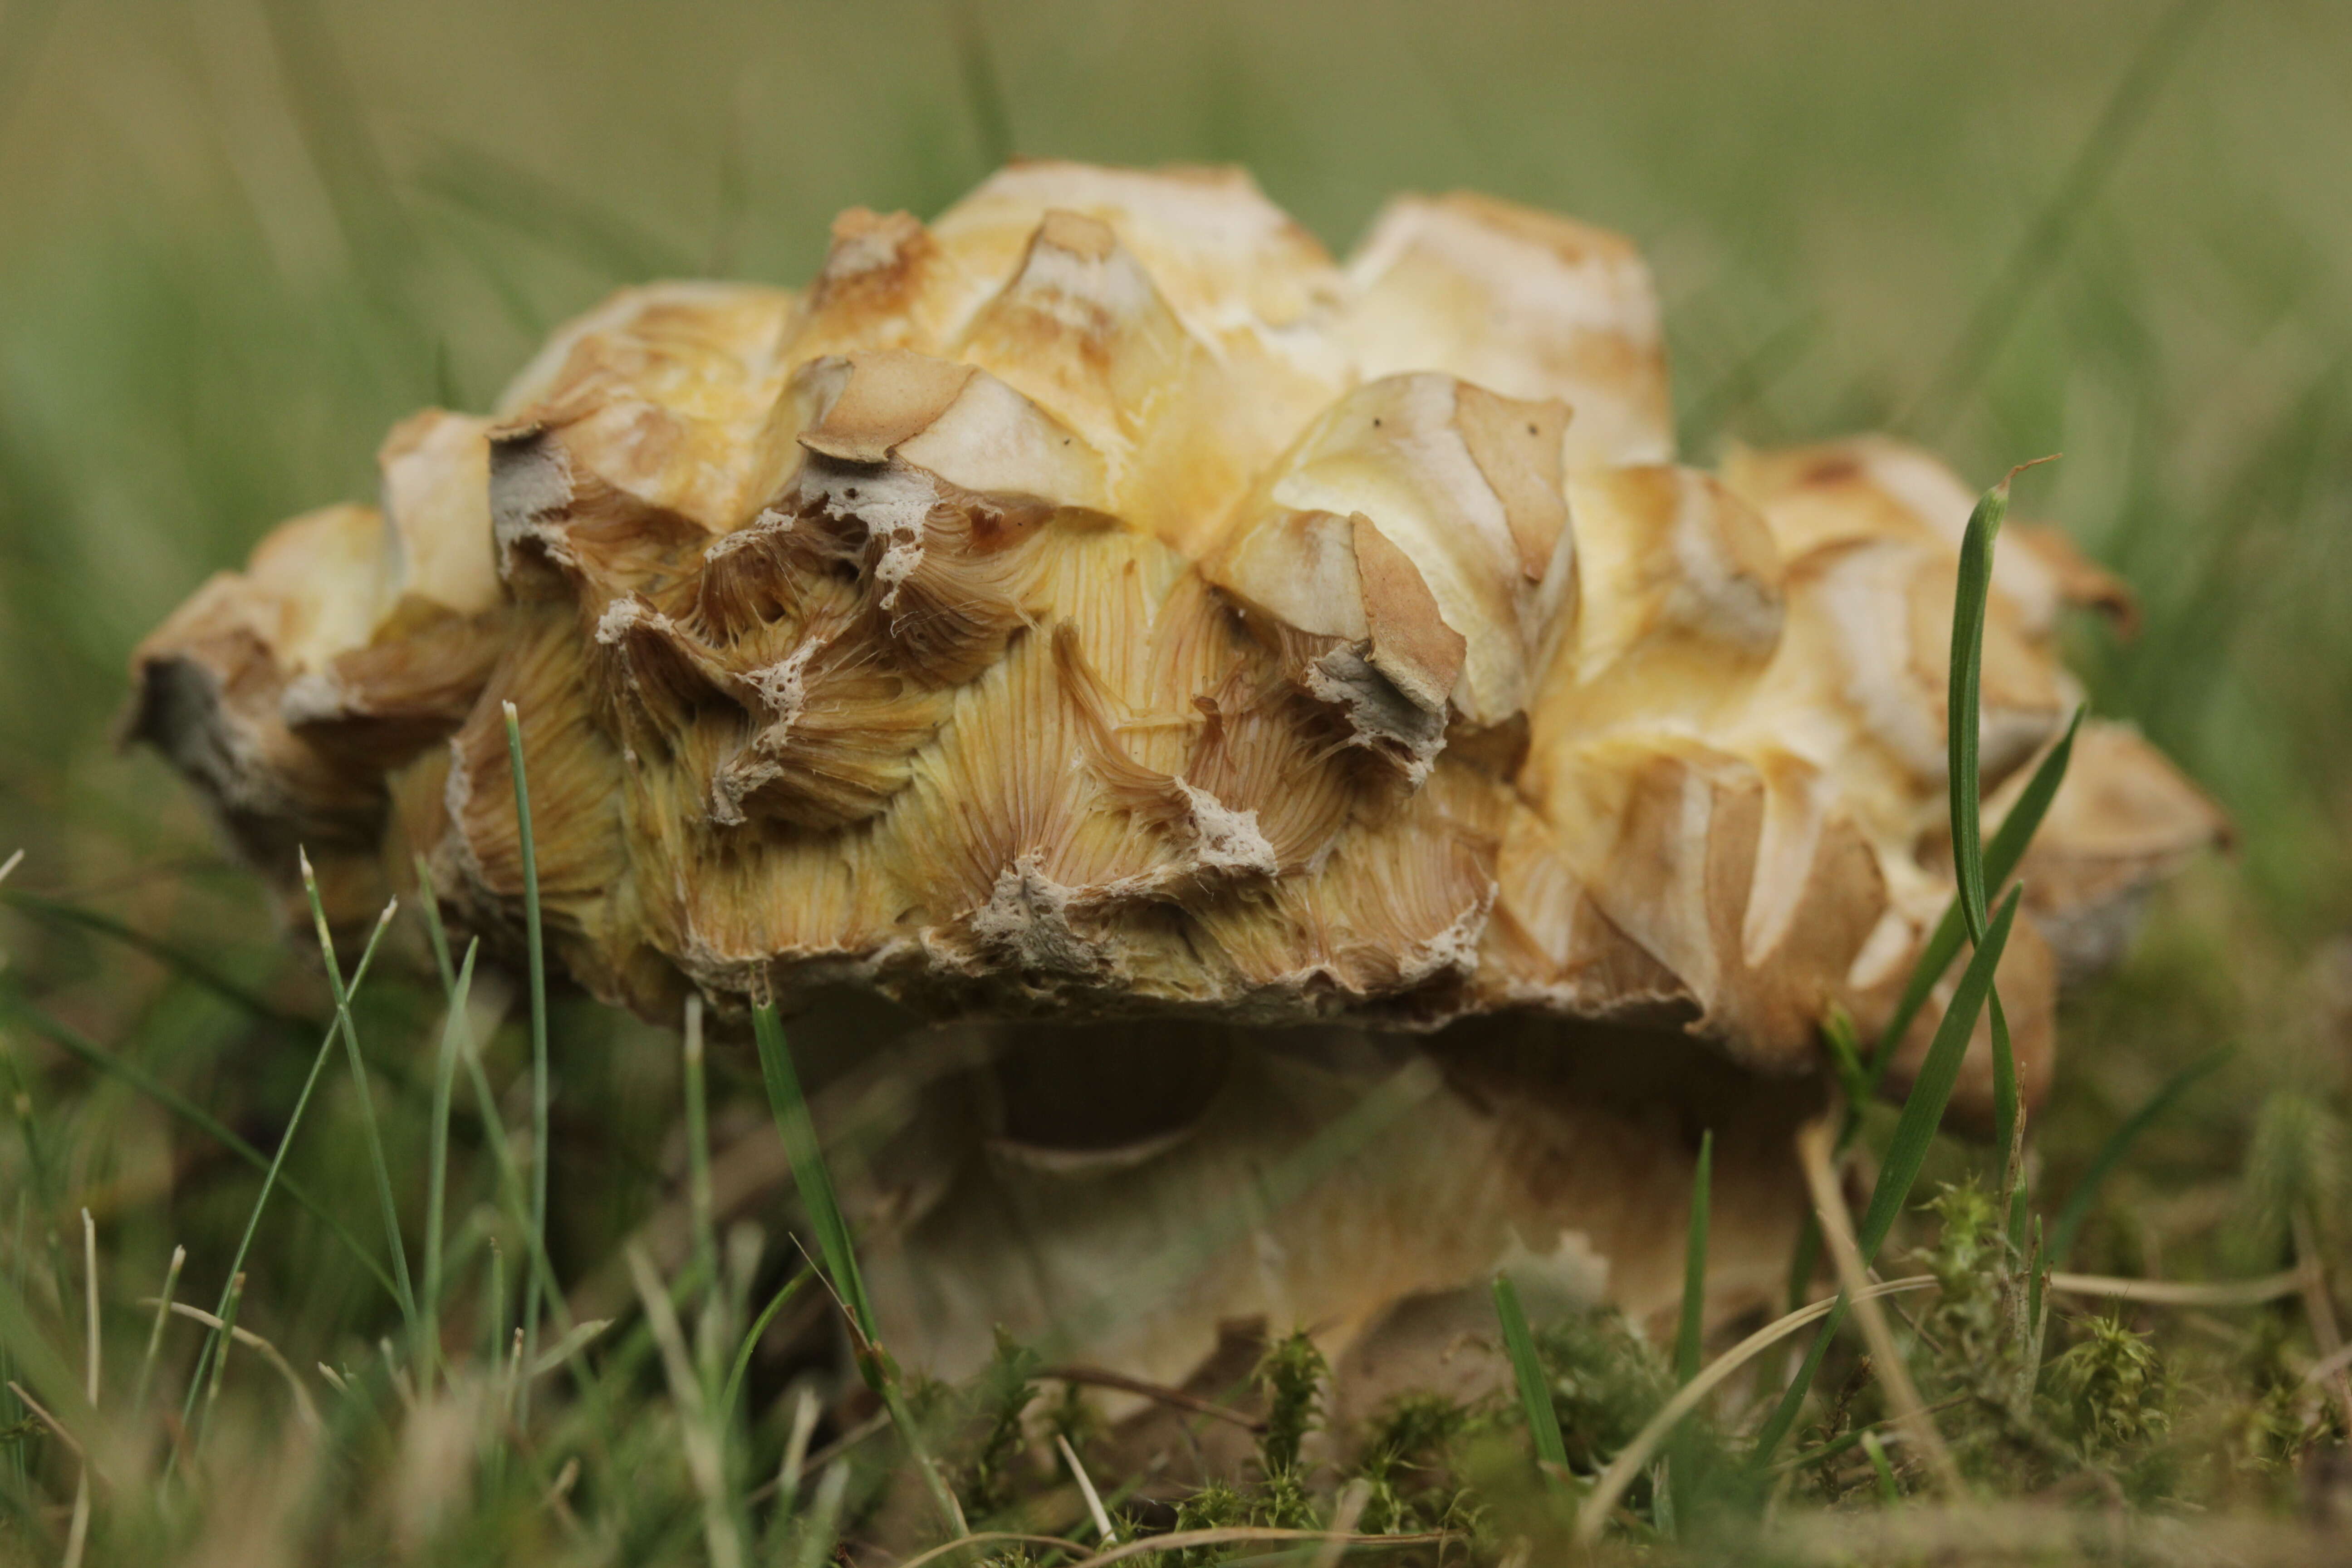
(1098, 601)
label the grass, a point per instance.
(242, 242)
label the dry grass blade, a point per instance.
(11, 863)
(2318, 1309)
(1246, 1534)
(304, 1405)
(1886, 1357)
(2173, 1293)
(57, 1428)
(991, 1537)
(2328, 1366)
(2045, 1532)
(1610, 1485)
(575, 1340)
(78, 1533)
(1344, 1515)
(1086, 1488)
(155, 1334)
(705, 1460)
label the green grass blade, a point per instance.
(1689, 1333)
(445, 1076)
(541, 1156)
(2008, 1121)
(698, 1151)
(1963, 707)
(173, 957)
(798, 1131)
(2004, 1082)
(1888, 1492)
(1922, 1109)
(743, 1366)
(435, 934)
(2077, 1207)
(1923, 1113)
(215, 1346)
(1845, 1058)
(370, 1131)
(1535, 1388)
(70, 1041)
(155, 1334)
(1792, 1398)
(2003, 856)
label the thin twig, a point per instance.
(1886, 1357)
(1096, 1377)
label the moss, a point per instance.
(1290, 1375)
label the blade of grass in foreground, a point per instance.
(1690, 1330)
(1923, 1111)
(58, 1034)
(794, 1126)
(172, 956)
(369, 1130)
(1963, 707)
(798, 1131)
(1535, 1389)
(540, 1154)
(214, 1345)
(2001, 858)
(444, 1074)
(743, 1366)
(2077, 1207)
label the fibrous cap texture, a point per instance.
(1098, 602)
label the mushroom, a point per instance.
(1214, 680)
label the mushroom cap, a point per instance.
(1098, 602)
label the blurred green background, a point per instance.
(239, 237)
